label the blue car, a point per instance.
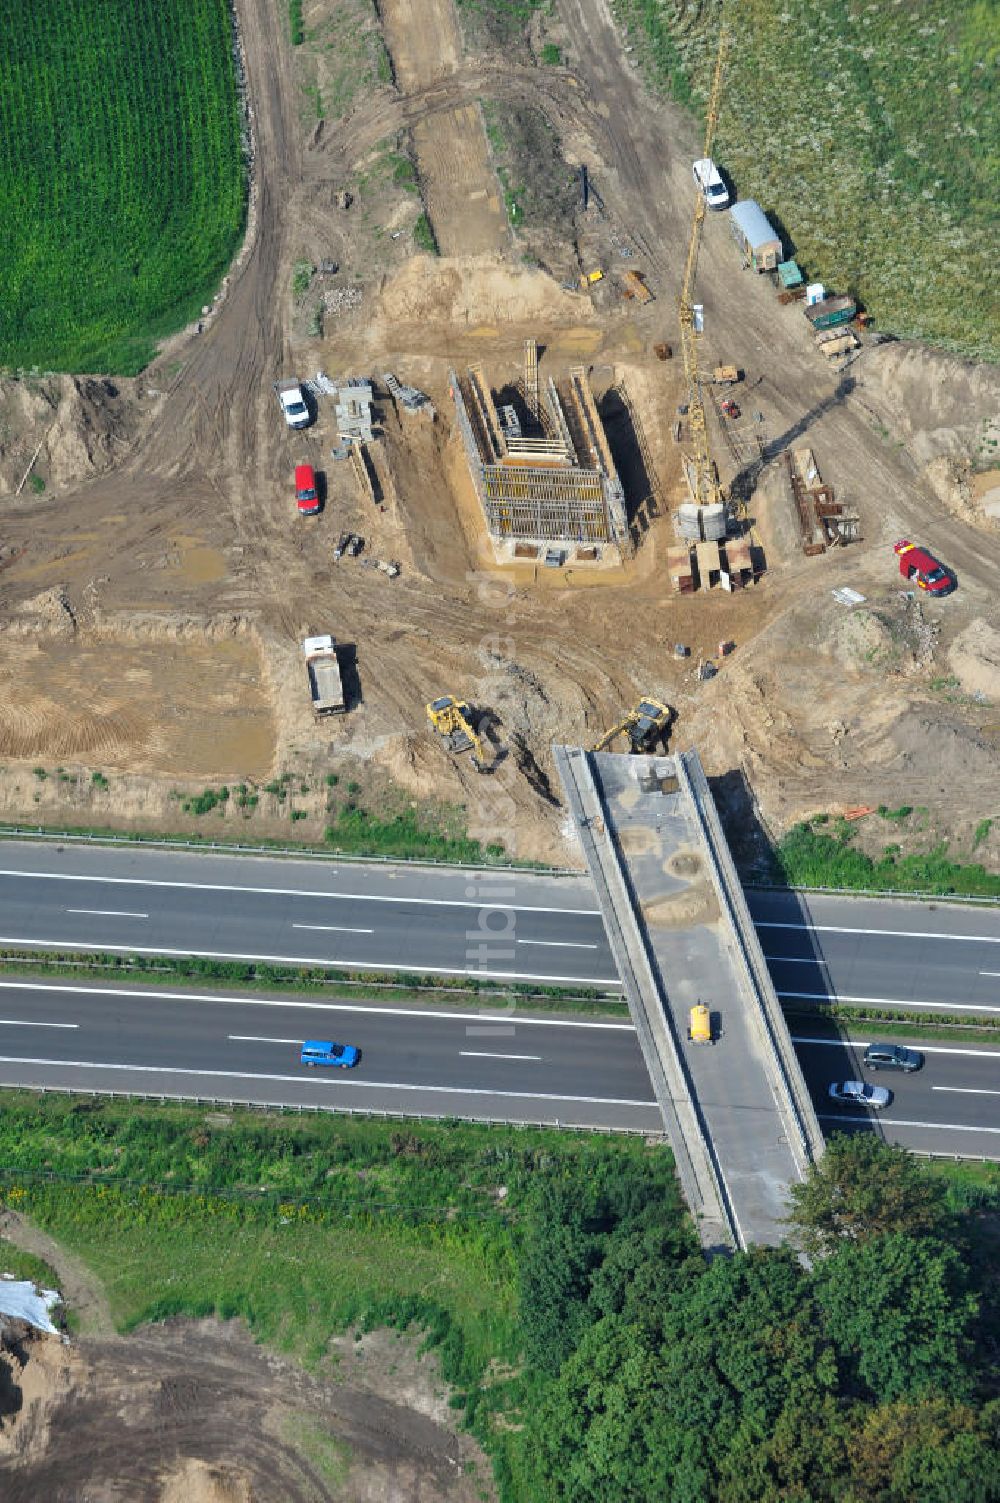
(324, 1052)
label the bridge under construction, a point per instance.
(542, 469)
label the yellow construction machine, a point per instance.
(452, 719)
(645, 725)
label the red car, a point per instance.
(923, 569)
(306, 494)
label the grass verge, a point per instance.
(428, 991)
(809, 857)
(893, 1023)
(354, 833)
(302, 1228)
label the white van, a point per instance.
(708, 180)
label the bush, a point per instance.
(423, 235)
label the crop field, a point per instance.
(122, 186)
(870, 132)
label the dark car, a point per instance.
(892, 1057)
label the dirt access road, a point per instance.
(190, 538)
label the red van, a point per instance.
(922, 568)
(306, 494)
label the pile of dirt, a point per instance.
(38, 1372)
(891, 636)
(84, 426)
(975, 660)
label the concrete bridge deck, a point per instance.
(737, 1113)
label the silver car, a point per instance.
(860, 1093)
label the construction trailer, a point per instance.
(758, 241)
(548, 480)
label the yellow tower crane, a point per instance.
(702, 476)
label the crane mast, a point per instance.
(702, 476)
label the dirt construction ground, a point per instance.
(154, 597)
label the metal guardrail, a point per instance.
(239, 1104)
(877, 892)
(798, 1110)
(299, 853)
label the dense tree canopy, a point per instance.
(863, 1188)
(758, 1378)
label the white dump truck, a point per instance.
(323, 667)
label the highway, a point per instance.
(521, 926)
(529, 927)
(498, 1066)
(567, 1070)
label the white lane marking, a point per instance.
(796, 960)
(962, 1090)
(255, 1038)
(299, 892)
(333, 928)
(476, 1054)
(370, 1085)
(362, 1007)
(318, 960)
(30, 1023)
(844, 997)
(985, 939)
(903, 1122)
(989, 973)
(557, 944)
(108, 912)
(924, 1048)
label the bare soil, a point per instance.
(195, 1412)
(153, 597)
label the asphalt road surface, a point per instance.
(512, 926)
(522, 926)
(509, 1066)
(501, 1065)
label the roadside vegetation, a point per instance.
(122, 184)
(249, 975)
(557, 1277)
(869, 132)
(820, 853)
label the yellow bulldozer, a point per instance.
(452, 719)
(645, 725)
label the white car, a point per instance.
(860, 1093)
(293, 404)
(709, 182)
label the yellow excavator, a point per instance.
(645, 725)
(452, 719)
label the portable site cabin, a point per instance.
(759, 245)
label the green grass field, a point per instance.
(122, 188)
(869, 132)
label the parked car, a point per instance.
(892, 1057)
(293, 403)
(708, 180)
(860, 1093)
(923, 569)
(325, 1052)
(306, 494)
